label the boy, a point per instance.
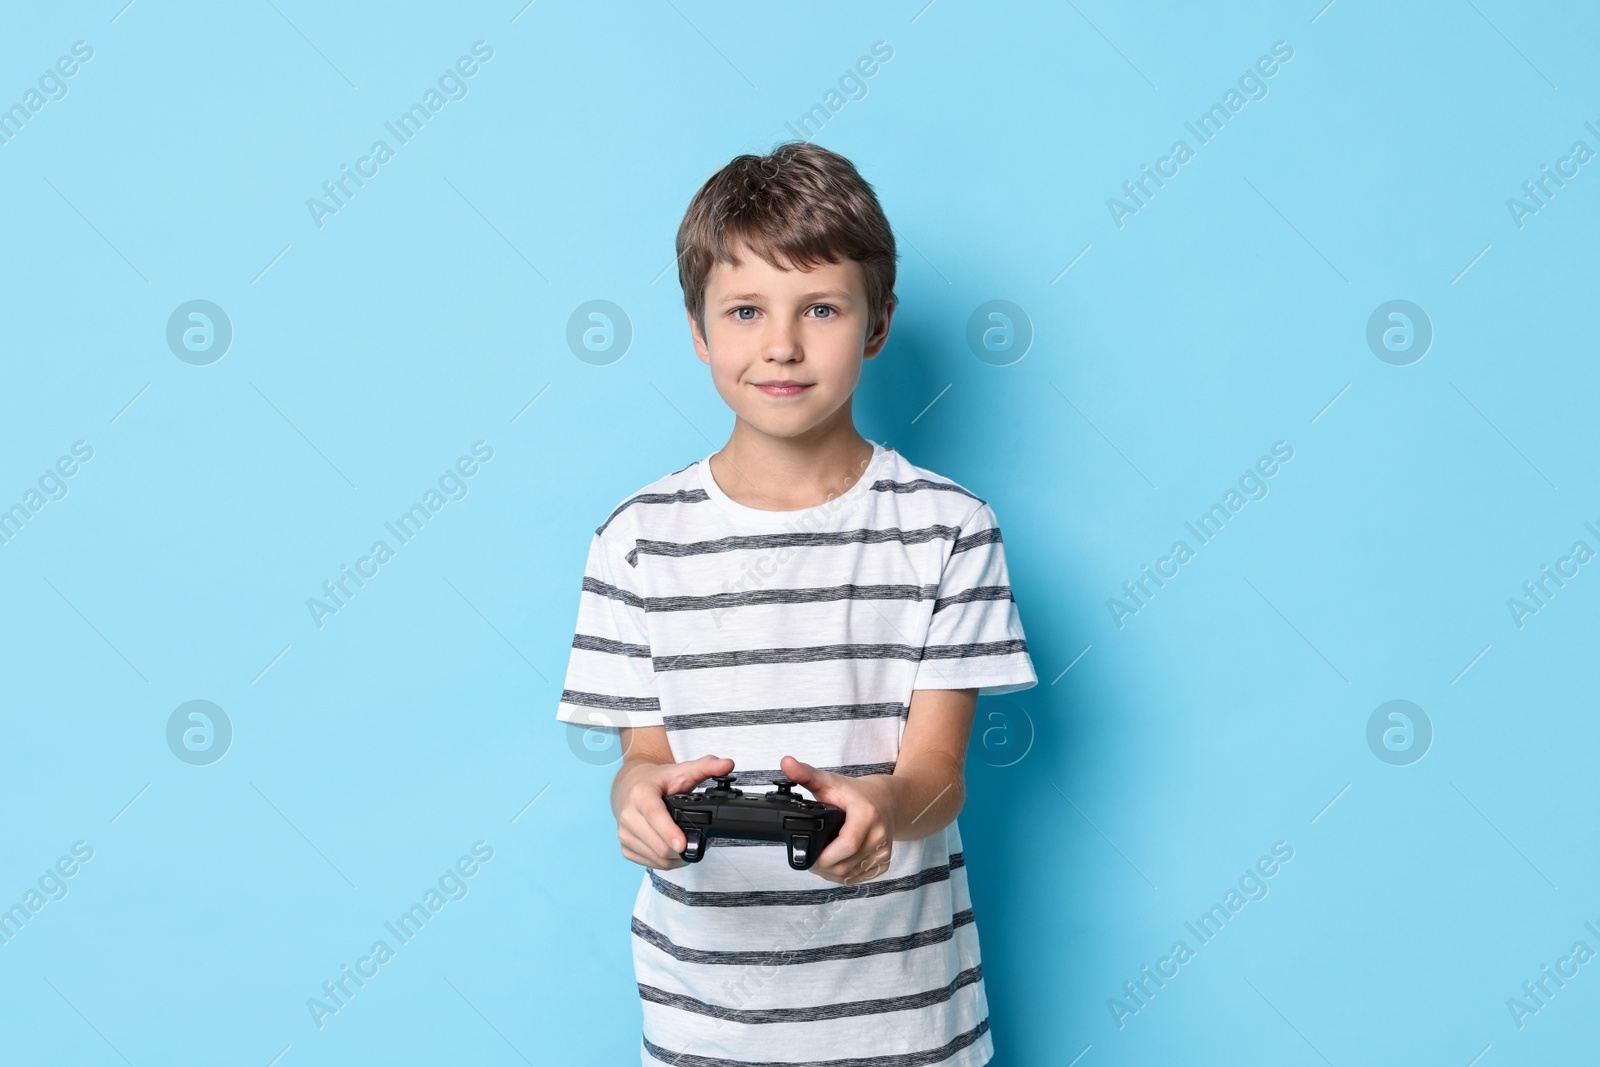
(801, 603)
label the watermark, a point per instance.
(1537, 592)
(52, 85)
(51, 886)
(1003, 734)
(52, 485)
(1252, 85)
(199, 332)
(599, 332)
(852, 86)
(999, 332)
(1137, 993)
(1536, 992)
(1399, 732)
(452, 485)
(452, 85)
(199, 732)
(1399, 332)
(597, 742)
(452, 885)
(1541, 190)
(1252, 485)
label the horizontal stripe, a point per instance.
(821, 539)
(844, 1009)
(591, 643)
(711, 720)
(887, 485)
(595, 585)
(852, 770)
(976, 593)
(821, 953)
(682, 496)
(983, 648)
(924, 1058)
(742, 657)
(606, 700)
(805, 898)
(816, 595)
(991, 536)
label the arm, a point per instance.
(923, 795)
(644, 826)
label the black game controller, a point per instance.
(804, 826)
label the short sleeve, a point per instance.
(610, 678)
(975, 638)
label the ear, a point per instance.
(880, 333)
(701, 349)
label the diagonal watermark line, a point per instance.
(932, 402)
(519, 14)
(1069, 666)
(1296, 229)
(714, 48)
(130, 803)
(96, 629)
(1514, 48)
(1330, 803)
(925, 7)
(925, 259)
(85, 1018)
(1296, 629)
(1074, 263)
(268, 267)
(932, 802)
(496, 629)
(280, 1055)
(530, 804)
(275, 659)
(1504, 438)
(1480, 1055)
(1324, 11)
(1503, 837)
(96, 229)
(1108, 840)
(303, 837)
(1468, 667)
(528, 405)
(1080, 1055)
(1114, 48)
(487, 1023)
(125, 7)
(130, 403)
(303, 437)
(1330, 403)
(1285, 1018)
(1103, 437)
(314, 48)
(1474, 262)
(497, 230)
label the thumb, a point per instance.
(685, 776)
(813, 778)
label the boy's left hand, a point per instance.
(866, 841)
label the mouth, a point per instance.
(783, 388)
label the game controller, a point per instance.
(804, 826)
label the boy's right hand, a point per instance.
(645, 828)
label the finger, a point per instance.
(654, 827)
(648, 852)
(685, 776)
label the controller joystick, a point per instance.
(804, 827)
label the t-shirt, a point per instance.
(757, 634)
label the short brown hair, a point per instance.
(797, 206)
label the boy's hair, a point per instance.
(797, 206)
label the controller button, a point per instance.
(698, 818)
(791, 822)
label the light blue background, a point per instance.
(369, 354)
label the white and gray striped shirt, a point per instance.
(756, 634)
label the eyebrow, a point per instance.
(836, 294)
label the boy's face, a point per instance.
(766, 328)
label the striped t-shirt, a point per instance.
(756, 634)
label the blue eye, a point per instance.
(739, 309)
